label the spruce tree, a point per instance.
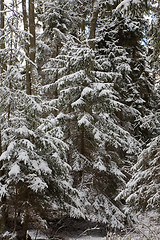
(141, 192)
(74, 119)
(35, 180)
(87, 112)
(91, 89)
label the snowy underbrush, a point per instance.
(146, 227)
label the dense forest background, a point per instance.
(79, 112)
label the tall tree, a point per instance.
(87, 105)
(33, 155)
(2, 41)
(93, 23)
(90, 88)
(32, 48)
(71, 143)
(25, 23)
(142, 191)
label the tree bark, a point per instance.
(82, 137)
(25, 24)
(93, 23)
(4, 209)
(0, 141)
(2, 41)
(32, 49)
(15, 209)
(4, 217)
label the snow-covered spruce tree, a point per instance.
(65, 79)
(142, 191)
(57, 18)
(120, 64)
(154, 38)
(135, 89)
(8, 58)
(34, 181)
(34, 162)
(87, 105)
(135, 84)
(132, 8)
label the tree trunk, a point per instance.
(82, 139)
(32, 49)
(2, 41)
(25, 24)
(82, 23)
(4, 210)
(26, 223)
(93, 23)
(15, 209)
(0, 141)
(3, 67)
(10, 62)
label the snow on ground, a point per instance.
(147, 227)
(88, 238)
(37, 235)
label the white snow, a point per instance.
(3, 190)
(100, 86)
(37, 235)
(145, 228)
(22, 130)
(89, 238)
(99, 165)
(28, 144)
(77, 103)
(44, 167)
(84, 121)
(23, 156)
(15, 170)
(37, 184)
(86, 91)
(41, 166)
(126, 3)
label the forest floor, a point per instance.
(147, 227)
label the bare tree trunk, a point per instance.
(4, 209)
(15, 209)
(82, 137)
(26, 27)
(32, 50)
(1, 162)
(82, 23)
(3, 67)
(93, 23)
(1, 25)
(2, 41)
(32, 31)
(10, 62)
(26, 222)
(0, 142)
